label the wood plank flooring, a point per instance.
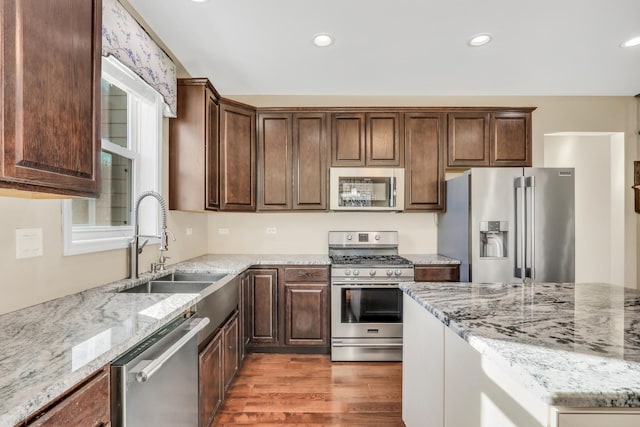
(309, 390)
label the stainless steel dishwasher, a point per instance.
(156, 382)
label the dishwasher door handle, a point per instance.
(146, 368)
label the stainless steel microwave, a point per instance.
(366, 189)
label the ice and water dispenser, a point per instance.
(494, 239)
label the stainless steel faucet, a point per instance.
(135, 248)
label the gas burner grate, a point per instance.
(369, 259)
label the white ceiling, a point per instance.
(404, 47)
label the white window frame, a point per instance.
(145, 118)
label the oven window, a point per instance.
(371, 305)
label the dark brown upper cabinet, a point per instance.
(275, 161)
(489, 138)
(424, 142)
(237, 156)
(366, 139)
(50, 53)
(194, 148)
(292, 161)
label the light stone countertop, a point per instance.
(575, 345)
(50, 347)
(426, 259)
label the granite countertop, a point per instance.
(426, 259)
(575, 345)
(50, 347)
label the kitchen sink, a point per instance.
(177, 283)
(191, 277)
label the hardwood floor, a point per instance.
(308, 390)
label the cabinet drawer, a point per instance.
(306, 274)
(87, 406)
(440, 273)
(630, 419)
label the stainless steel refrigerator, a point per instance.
(511, 224)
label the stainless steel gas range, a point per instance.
(366, 302)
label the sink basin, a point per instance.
(177, 283)
(168, 287)
(191, 277)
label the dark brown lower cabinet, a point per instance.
(231, 341)
(210, 379)
(264, 306)
(437, 273)
(87, 405)
(288, 310)
(305, 314)
(219, 362)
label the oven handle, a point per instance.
(339, 344)
(144, 371)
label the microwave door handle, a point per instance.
(392, 191)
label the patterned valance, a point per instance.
(126, 40)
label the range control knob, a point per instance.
(347, 272)
(389, 272)
(377, 237)
(372, 273)
(397, 272)
(349, 237)
(356, 272)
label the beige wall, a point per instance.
(30, 281)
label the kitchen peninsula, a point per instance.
(543, 354)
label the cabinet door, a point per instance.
(88, 406)
(237, 158)
(511, 138)
(212, 172)
(310, 161)
(468, 143)
(211, 391)
(264, 306)
(274, 161)
(306, 314)
(50, 53)
(424, 163)
(245, 314)
(231, 359)
(437, 273)
(193, 148)
(347, 139)
(384, 147)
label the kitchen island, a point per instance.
(544, 354)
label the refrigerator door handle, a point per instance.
(520, 227)
(530, 187)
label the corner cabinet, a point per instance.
(292, 161)
(424, 142)
(489, 138)
(50, 53)
(237, 156)
(194, 148)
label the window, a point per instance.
(131, 132)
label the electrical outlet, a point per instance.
(272, 230)
(28, 242)
(189, 231)
(223, 231)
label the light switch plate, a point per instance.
(28, 242)
(223, 231)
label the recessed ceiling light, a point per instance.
(198, 1)
(631, 42)
(480, 40)
(323, 40)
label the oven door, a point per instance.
(366, 310)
